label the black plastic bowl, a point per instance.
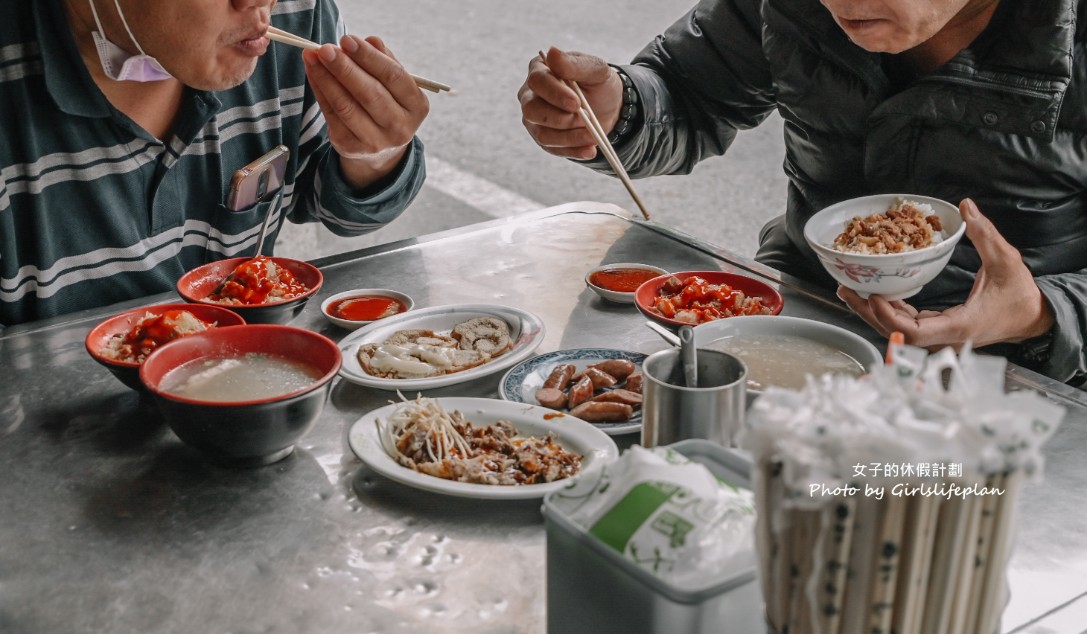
(244, 433)
(197, 284)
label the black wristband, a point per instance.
(1034, 353)
(628, 113)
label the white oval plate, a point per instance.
(575, 435)
(526, 333)
(522, 381)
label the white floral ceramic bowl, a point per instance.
(892, 275)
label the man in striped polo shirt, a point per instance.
(122, 122)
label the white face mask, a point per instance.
(117, 63)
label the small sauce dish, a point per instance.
(618, 282)
(356, 308)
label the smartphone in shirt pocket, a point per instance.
(258, 181)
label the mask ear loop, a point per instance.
(97, 22)
(117, 3)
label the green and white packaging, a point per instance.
(666, 514)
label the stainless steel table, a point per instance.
(109, 524)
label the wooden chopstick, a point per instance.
(283, 37)
(279, 35)
(588, 117)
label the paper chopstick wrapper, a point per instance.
(666, 514)
(911, 551)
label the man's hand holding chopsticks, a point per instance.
(549, 107)
(372, 105)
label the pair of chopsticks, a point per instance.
(588, 117)
(283, 37)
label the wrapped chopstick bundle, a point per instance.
(886, 502)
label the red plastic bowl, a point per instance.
(253, 432)
(129, 372)
(647, 292)
(198, 283)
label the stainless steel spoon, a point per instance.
(688, 354)
(669, 337)
(272, 209)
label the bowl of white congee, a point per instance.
(783, 351)
(243, 395)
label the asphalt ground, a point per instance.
(481, 162)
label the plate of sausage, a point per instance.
(601, 386)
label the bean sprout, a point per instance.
(423, 416)
(420, 435)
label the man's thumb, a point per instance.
(994, 250)
(579, 67)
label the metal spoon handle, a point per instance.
(689, 355)
(268, 221)
(668, 336)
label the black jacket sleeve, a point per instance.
(698, 83)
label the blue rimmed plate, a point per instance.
(522, 380)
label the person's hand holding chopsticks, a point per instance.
(549, 106)
(372, 105)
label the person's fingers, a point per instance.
(379, 44)
(994, 250)
(576, 138)
(851, 299)
(542, 113)
(894, 318)
(579, 67)
(925, 328)
(903, 307)
(582, 152)
(543, 84)
(339, 133)
(319, 76)
(370, 64)
(862, 308)
(365, 93)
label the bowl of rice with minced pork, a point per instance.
(889, 244)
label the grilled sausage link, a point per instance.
(580, 392)
(560, 376)
(551, 397)
(594, 412)
(599, 378)
(618, 395)
(618, 368)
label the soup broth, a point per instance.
(785, 360)
(247, 377)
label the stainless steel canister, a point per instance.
(713, 410)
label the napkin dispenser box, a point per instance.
(592, 588)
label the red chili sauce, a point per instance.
(258, 281)
(151, 332)
(365, 307)
(621, 280)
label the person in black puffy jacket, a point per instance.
(978, 101)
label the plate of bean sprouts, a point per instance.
(478, 447)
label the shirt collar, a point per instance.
(67, 79)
